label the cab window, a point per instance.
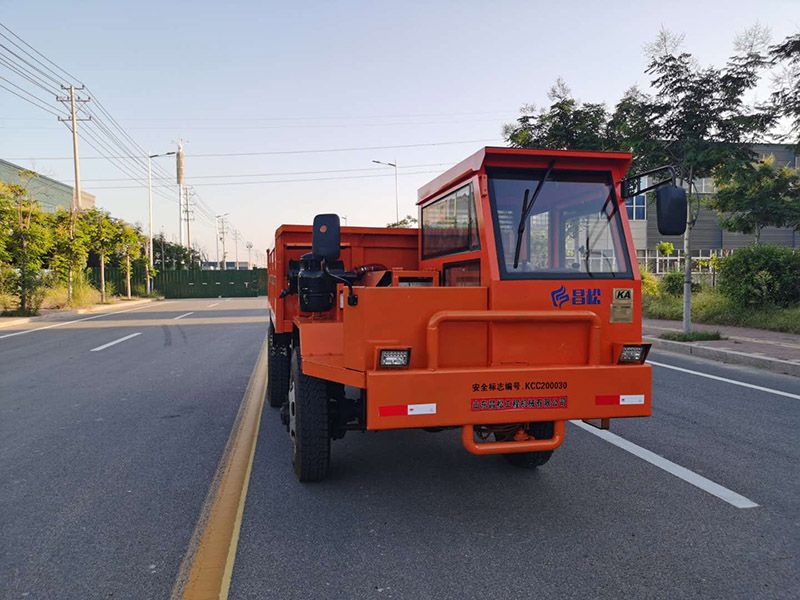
(573, 229)
(449, 225)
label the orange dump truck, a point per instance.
(514, 307)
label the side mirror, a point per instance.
(325, 239)
(671, 210)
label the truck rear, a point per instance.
(515, 307)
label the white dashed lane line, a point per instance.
(115, 342)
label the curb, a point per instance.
(97, 308)
(775, 365)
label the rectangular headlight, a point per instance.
(395, 359)
(633, 353)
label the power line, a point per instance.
(282, 173)
(283, 152)
(232, 183)
(64, 71)
(45, 107)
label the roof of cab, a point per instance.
(495, 156)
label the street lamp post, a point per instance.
(396, 188)
(150, 158)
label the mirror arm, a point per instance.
(352, 299)
(627, 181)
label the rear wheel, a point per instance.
(308, 423)
(531, 460)
(277, 368)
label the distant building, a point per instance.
(707, 234)
(49, 193)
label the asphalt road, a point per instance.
(106, 456)
(412, 515)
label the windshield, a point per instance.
(573, 230)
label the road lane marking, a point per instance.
(726, 380)
(119, 312)
(207, 567)
(115, 342)
(215, 304)
(183, 315)
(670, 467)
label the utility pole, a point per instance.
(249, 246)
(396, 187)
(180, 178)
(188, 213)
(222, 232)
(150, 158)
(236, 238)
(216, 237)
(76, 192)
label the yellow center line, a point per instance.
(207, 568)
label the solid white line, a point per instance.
(215, 304)
(726, 380)
(678, 471)
(183, 315)
(119, 312)
(115, 342)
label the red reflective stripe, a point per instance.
(606, 400)
(396, 410)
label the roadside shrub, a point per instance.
(672, 283)
(761, 275)
(649, 284)
(83, 293)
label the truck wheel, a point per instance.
(277, 369)
(308, 423)
(531, 460)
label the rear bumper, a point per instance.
(457, 397)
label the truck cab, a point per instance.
(515, 307)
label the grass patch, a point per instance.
(695, 336)
(712, 308)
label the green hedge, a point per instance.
(761, 275)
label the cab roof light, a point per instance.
(633, 354)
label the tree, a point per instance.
(757, 195)
(787, 94)
(101, 232)
(169, 255)
(70, 247)
(27, 245)
(7, 214)
(566, 124)
(701, 122)
(406, 222)
(129, 244)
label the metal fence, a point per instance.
(703, 261)
(187, 283)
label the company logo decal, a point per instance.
(559, 296)
(579, 297)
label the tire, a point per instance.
(531, 460)
(308, 423)
(277, 369)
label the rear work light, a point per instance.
(395, 358)
(633, 353)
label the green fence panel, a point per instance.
(116, 280)
(207, 284)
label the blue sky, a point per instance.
(238, 77)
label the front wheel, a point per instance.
(531, 460)
(308, 423)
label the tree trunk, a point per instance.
(128, 275)
(103, 278)
(687, 266)
(23, 272)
